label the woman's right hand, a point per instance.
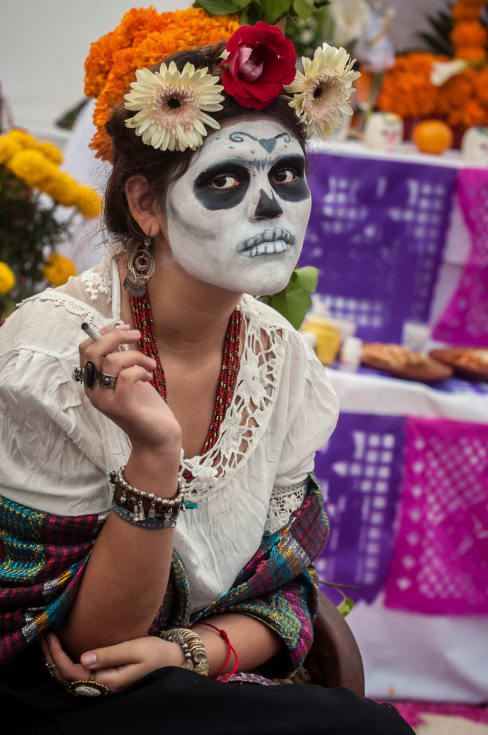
(133, 404)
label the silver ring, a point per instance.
(107, 381)
(77, 375)
(50, 667)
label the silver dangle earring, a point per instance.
(140, 268)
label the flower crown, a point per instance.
(258, 66)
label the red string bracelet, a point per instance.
(230, 649)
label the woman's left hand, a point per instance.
(115, 666)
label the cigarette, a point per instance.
(90, 331)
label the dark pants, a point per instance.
(173, 700)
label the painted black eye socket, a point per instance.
(286, 176)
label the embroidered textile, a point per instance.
(42, 559)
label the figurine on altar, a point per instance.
(474, 145)
(383, 130)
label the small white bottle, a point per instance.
(350, 357)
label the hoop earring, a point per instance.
(140, 268)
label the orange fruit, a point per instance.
(432, 136)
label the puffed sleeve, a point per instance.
(312, 416)
(52, 455)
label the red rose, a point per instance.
(260, 61)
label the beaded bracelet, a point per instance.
(165, 510)
(194, 652)
(167, 521)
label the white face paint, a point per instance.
(237, 217)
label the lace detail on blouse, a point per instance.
(98, 282)
(283, 502)
(257, 385)
(70, 304)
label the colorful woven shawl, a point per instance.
(43, 557)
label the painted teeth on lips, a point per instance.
(268, 242)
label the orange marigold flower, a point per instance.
(468, 34)
(471, 53)
(461, 12)
(455, 92)
(481, 85)
(143, 38)
(407, 89)
(98, 64)
(472, 113)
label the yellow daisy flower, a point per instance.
(171, 106)
(321, 95)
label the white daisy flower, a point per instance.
(171, 106)
(321, 95)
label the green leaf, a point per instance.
(293, 305)
(345, 606)
(303, 8)
(307, 278)
(274, 9)
(222, 7)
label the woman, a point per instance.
(212, 402)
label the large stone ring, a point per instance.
(87, 687)
(90, 373)
(107, 381)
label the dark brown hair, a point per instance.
(131, 156)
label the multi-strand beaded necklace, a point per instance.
(144, 322)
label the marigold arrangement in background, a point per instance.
(32, 187)
(455, 90)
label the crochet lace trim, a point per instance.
(284, 501)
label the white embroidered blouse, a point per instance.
(56, 449)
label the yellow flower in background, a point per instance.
(29, 142)
(88, 202)
(32, 167)
(63, 189)
(8, 149)
(58, 270)
(51, 152)
(37, 164)
(26, 140)
(7, 278)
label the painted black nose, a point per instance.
(267, 207)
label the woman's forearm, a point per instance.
(126, 576)
(254, 642)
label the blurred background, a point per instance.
(399, 316)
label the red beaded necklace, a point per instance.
(144, 322)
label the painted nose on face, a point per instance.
(267, 207)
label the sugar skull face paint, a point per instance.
(237, 217)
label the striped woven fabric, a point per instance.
(43, 557)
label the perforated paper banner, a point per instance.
(361, 472)
(465, 320)
(377, 233)
(440, 559)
